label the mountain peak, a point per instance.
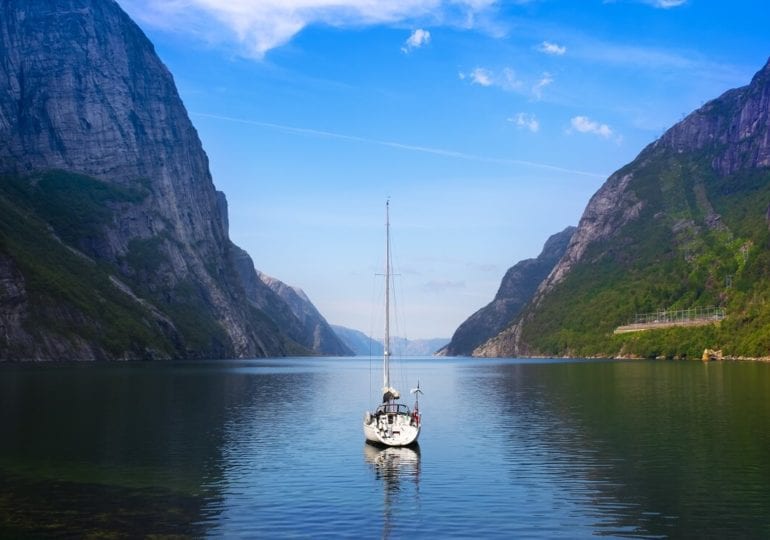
(734, 127)
(760, 77)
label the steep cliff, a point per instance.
(291, 310)
(97, 151)
(684, 225)
(516, 289)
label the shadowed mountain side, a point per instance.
(112, 244)
(296, 316)
(316, 332)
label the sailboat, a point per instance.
(392, 423)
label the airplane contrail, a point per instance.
(401, 146)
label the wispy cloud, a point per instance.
(660, 4)
(401, 146)
(419, 38)
(673, 66)
(436, 286)
(259, 26)
(507, 79)
(483, 267)
(526, 121)
(666, 4)
(537, 88)
(583, 124)
(552, 48)
(480, 76)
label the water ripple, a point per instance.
(274, 449)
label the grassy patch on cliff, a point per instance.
(77, 207)
(700, 240)
(54, 227)
(70, 297)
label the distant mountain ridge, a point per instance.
(418, 347)
(358, 342)
(113, 239)
(683, 225)
(363, 345)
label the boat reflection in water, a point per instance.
(398, 467)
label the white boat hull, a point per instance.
(391, 429)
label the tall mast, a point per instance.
(386, 352)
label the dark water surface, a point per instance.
(274, 449)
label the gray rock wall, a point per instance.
(84, 91)
(735, 124)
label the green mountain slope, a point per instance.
(57, 301)
(67, 301)
(684, 225)
(674, 255)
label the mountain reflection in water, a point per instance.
(273, 449)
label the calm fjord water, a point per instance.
(274, 448)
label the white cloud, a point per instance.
(537, 88)
(661, 4)
(261, 25)
(667, 4)
(505, 79)
(480, 76)
(525, 120)
(583, 124)
(552, 48)
(418, 39)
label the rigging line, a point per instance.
(397, 321)
(399, 317)
(400, 321)
(371, 332)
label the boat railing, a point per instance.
(392, 408)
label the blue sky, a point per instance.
(489, 124)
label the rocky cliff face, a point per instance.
(664, 230)
(735, 126)
(85, 92)
(516, 289)
(607, 212)
(288, 308)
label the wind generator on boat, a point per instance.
(391, 423)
